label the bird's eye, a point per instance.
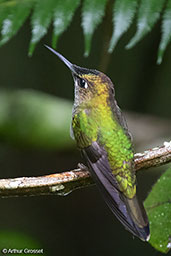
(82, 83)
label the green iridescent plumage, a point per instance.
(97, 121)
(101, 134)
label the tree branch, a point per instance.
(66, 182)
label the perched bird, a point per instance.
(102, 136)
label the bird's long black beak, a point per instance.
(76, 70)
(64, 60)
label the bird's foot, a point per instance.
(82, 167)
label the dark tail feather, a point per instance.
(134, 219)
(139, 217)
(129, 212)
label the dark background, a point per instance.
(80, 223)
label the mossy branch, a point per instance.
(65, 182)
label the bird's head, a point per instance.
(90, 85)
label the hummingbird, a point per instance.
(102, 135)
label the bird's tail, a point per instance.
(139, 217)
(130, 212)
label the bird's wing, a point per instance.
(96, 158)
(119, 116)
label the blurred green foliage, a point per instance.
(14, 240)
(158, 206)
(35, 119)
(38, 120)
(14, 13)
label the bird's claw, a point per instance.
(82, 167)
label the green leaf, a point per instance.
(35, 119)
(166, 32)
(13, 17)
(158, 206)
(4, 10)
(13, 13)
(63, 13)
(40, 21)
(148, 14)
(92, 14)
(123, 14)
